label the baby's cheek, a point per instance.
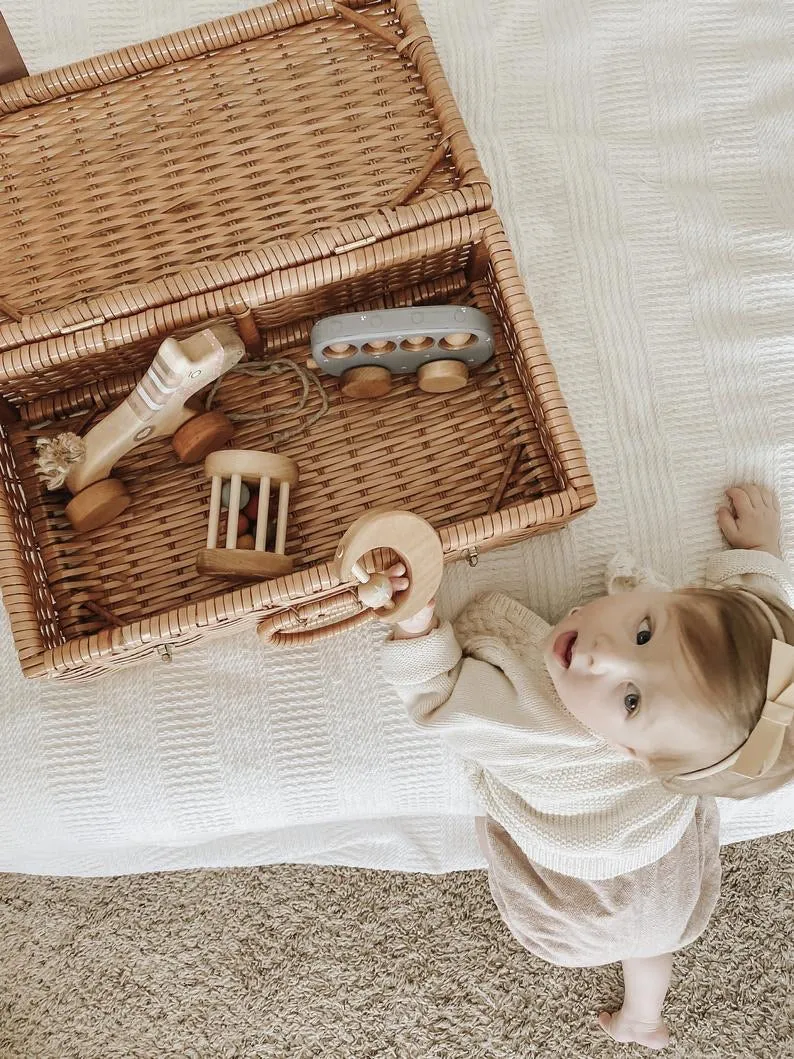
(592, 715)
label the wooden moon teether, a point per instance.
(419, 548)
(245, 556)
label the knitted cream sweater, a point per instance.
(571, 802)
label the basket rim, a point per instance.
(237, 296)
(94, 322)
(183, 625)
(472, 195)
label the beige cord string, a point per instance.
(276, 367)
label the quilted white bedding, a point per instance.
(642, 156)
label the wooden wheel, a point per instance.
(97, 505)
(366, 382)
(442, 376)
(202, 435)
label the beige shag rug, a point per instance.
(300, 962)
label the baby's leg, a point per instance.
(645, 983)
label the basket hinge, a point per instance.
(83, 325)
(166, 652)
(472, 555)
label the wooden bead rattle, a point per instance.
(155, 408)
(238, 557)
(419, 548)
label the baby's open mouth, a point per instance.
(563, 648)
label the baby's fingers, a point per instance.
(396, 575)
(741, 497)
(749, 497)
(728, 527)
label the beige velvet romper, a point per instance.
(583, 923)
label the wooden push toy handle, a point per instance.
(156, 407)
(419, 548)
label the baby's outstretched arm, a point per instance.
(752, 520)
(424, 663)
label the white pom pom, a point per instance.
(56, 456)
(624, 573)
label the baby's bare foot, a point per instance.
(627, 1031)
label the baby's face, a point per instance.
(618, 668)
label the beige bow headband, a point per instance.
(759, 752)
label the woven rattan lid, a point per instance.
(268, 139)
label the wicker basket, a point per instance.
(239, 217)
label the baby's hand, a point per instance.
(752, 520)
(420, 624)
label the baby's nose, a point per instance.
(605, 657)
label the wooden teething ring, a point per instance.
(416, 543)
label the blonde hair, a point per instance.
(727, 643)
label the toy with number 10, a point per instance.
(440, 343)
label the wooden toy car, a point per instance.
(438, 342)
(155, 408)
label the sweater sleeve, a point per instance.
(752, 569)
(441, 688)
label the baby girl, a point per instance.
(596, 748)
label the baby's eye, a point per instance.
(632, 701)
(644, 632)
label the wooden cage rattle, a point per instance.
(262, 470)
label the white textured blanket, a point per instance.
(642, 159)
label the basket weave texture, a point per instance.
(247, 171)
